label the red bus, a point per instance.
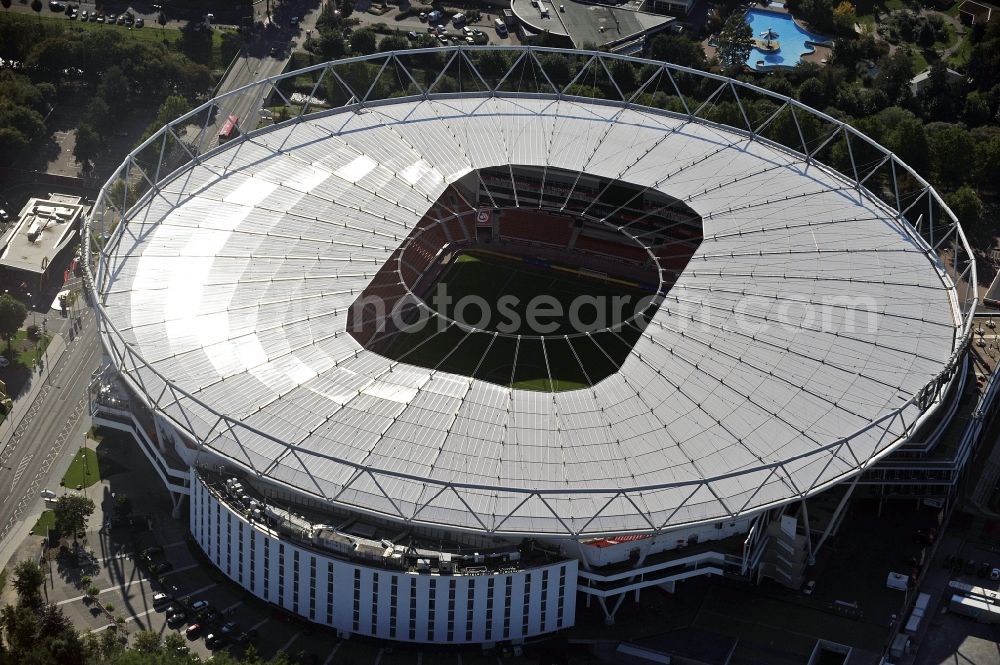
(230, 130)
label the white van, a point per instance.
(501, 28)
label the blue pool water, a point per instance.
(791, 38)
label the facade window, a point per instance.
(281, 574)
(526, 612)
(375, 603)
(545, 596)
(413, 608)
(218, 534)
(357, 599)
(267, 568)
(393, 604)
(239, 558)
(431, 606)
(562, 597)
(253, 560)
(490, 583)
(451, 610)
(469, 608)
(508, 598)
(312, 588)
(329, 592)
(295, 581)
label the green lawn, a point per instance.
(26, 357)
(46, 521)
(961, 55)
(84, 470)
(149, 34)
(553, 363)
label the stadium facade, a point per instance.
(804, 324)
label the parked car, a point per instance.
(161, 567)
(984, 569)
(47, 494)
(809, 587)
(995, 574)
(412, 34)
(161, 599)
(151, 550)
(194, 630)
(57, 6)
(229, 628)
(215, 640)
(199, 605)
(176, 620)
(970, 567)
(139, 22)
(423, 17)
(3, 361)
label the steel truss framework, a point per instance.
(867, 168)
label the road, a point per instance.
(249, 68)
(44, 433)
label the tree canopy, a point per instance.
(72, 512)
(12, 315)
(735, 41)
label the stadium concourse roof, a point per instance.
(234, 284)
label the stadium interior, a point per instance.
(601, 252)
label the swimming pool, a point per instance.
(790, 38)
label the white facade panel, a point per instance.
(380, 602)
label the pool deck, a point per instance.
(820, 55)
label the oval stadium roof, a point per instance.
(808, 313)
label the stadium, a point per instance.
(722, 305)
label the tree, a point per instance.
(88, 144)
(36, 6)
(987, 170)
(12, 316)
(346, 8)
(72, 512)
(677, 49)
(161, 18)
(844, 18)
(22, 629)
(114, 89)
(363, 41)
(393, 43)
(146, 641)
(735, 42)
(894, 76)
(12, 143)
(28, 580)
(951, 150)
(123, 504)
(5, 3)
(965, 204)
(812, 93)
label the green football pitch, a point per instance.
(552, 359)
